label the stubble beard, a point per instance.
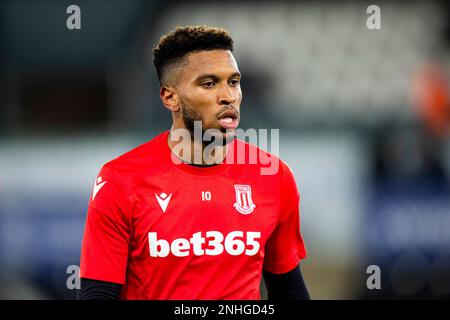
(190, 115)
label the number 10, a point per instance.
(206, 195)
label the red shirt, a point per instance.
(177, 231)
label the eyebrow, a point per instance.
(214, 76)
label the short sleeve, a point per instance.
(106, 239)
(285, 247)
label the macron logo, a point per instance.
(97, 186)
(163, 200)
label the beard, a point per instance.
(190, 115)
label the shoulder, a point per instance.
(145, 155)
(263, 158)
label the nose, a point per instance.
(226, 95)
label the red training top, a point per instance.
(176, 231)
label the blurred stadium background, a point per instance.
(364, 118)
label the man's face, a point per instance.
(209, 88)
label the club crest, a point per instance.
(244, 203)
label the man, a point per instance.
(169, 220)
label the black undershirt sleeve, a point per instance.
(286, 286)
(98, 290)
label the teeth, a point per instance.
(227, 120)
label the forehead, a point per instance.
(218, 62)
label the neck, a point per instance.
(192, 150)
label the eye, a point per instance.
(208, 84)
(234, 82)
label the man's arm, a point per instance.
(98, 290)
(286, 286)
(107, 232)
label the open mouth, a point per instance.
(229, 119)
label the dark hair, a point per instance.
(174, 46)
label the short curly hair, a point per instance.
(173, 47)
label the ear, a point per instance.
(170, 98)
